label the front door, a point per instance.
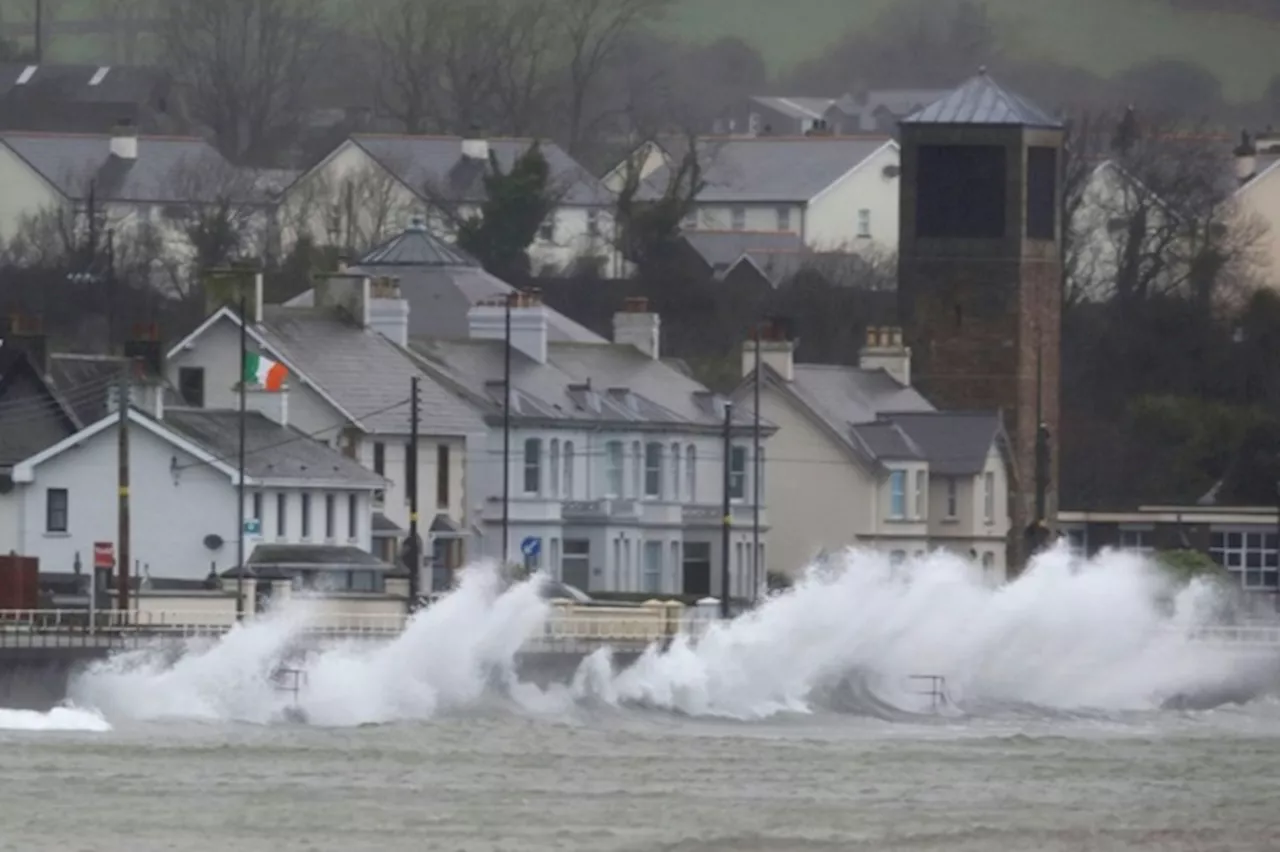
(575, 563)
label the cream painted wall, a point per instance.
(756, 217)
(819, 498)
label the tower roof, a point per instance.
(417, 246)
(981, 100)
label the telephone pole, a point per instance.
(727, 521)
(413, 550)
(755, 476)
(37, 52)
(506, 438)
(122, 482)
(244, 357)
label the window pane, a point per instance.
(532, 466)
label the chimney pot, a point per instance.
(124, 141)
(885, 351)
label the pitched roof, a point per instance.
(768, 169)
(70, 162)
(439, 291)
(956, 443)
(272, 451)
(365, 373)
(580, 382)
(85, 98)
(85, 383)
(795, 107)
(723, 248)
(33, 416)
(433, 166)
(884, 440)
(864, 106)
(849, 395)
(981, 100)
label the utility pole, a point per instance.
(1040, 530)
(122, 483)
(244, 380)
(755, 477)
(727, 521)
(506, 438)
(414, 554)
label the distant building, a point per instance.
(372, 186)
(89, 99)
(864, 111)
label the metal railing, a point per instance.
(73, 628)
(69, 628)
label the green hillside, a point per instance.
(1103, 36)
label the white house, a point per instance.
(136, 185)
(834, 193)
(350, 385)
(370, 187)
(615, 457)
(184, 476)
(861, 458)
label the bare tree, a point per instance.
(245, 65)
(651, 204)
(129, 21)
(351, 213)
(592, 33)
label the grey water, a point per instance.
(623, 780)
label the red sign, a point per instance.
(104, 554)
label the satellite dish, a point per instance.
(6, 483)
(213, 541)
(891, 172)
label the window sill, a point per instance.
(57, 535)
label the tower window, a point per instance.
(960, 191)
(1042, 181)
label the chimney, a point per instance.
(124, 141)
(26, 334)
(777, 351)
(635, 325)
(346, 294)
(1246, 158)
(144, 346)
(886, 351)
(273, 405)
(487, 321)
(388, 310)
(475, 146)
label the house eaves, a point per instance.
(57, 190)
(24, 471)
(813, 412)
(189, 342)
(890, 144)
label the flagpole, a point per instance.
(244, 354)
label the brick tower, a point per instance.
(980, 275)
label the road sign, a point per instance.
(531, 546)
(253, 526)
(104, 554)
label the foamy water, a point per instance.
(1105, 634)
(57, 719)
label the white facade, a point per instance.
(65, 500)
(306, 406)
(350, 196)
(858, 212)
(619, 511)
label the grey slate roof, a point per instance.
(981, 100)
(85, 382)
(771, 169)
(32, 418)
(581, 382)
(71, 161)
(795, 107)
(956, 443)
(848, 395)
(272, 451)
(364, 372)
(868, 107)
(886, 441)
(433, 166)
(440, 293)
(723, 248)
(881, 420)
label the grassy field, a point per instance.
(1103, 36)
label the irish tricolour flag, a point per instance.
(263, 372)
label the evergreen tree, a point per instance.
(516, 204)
